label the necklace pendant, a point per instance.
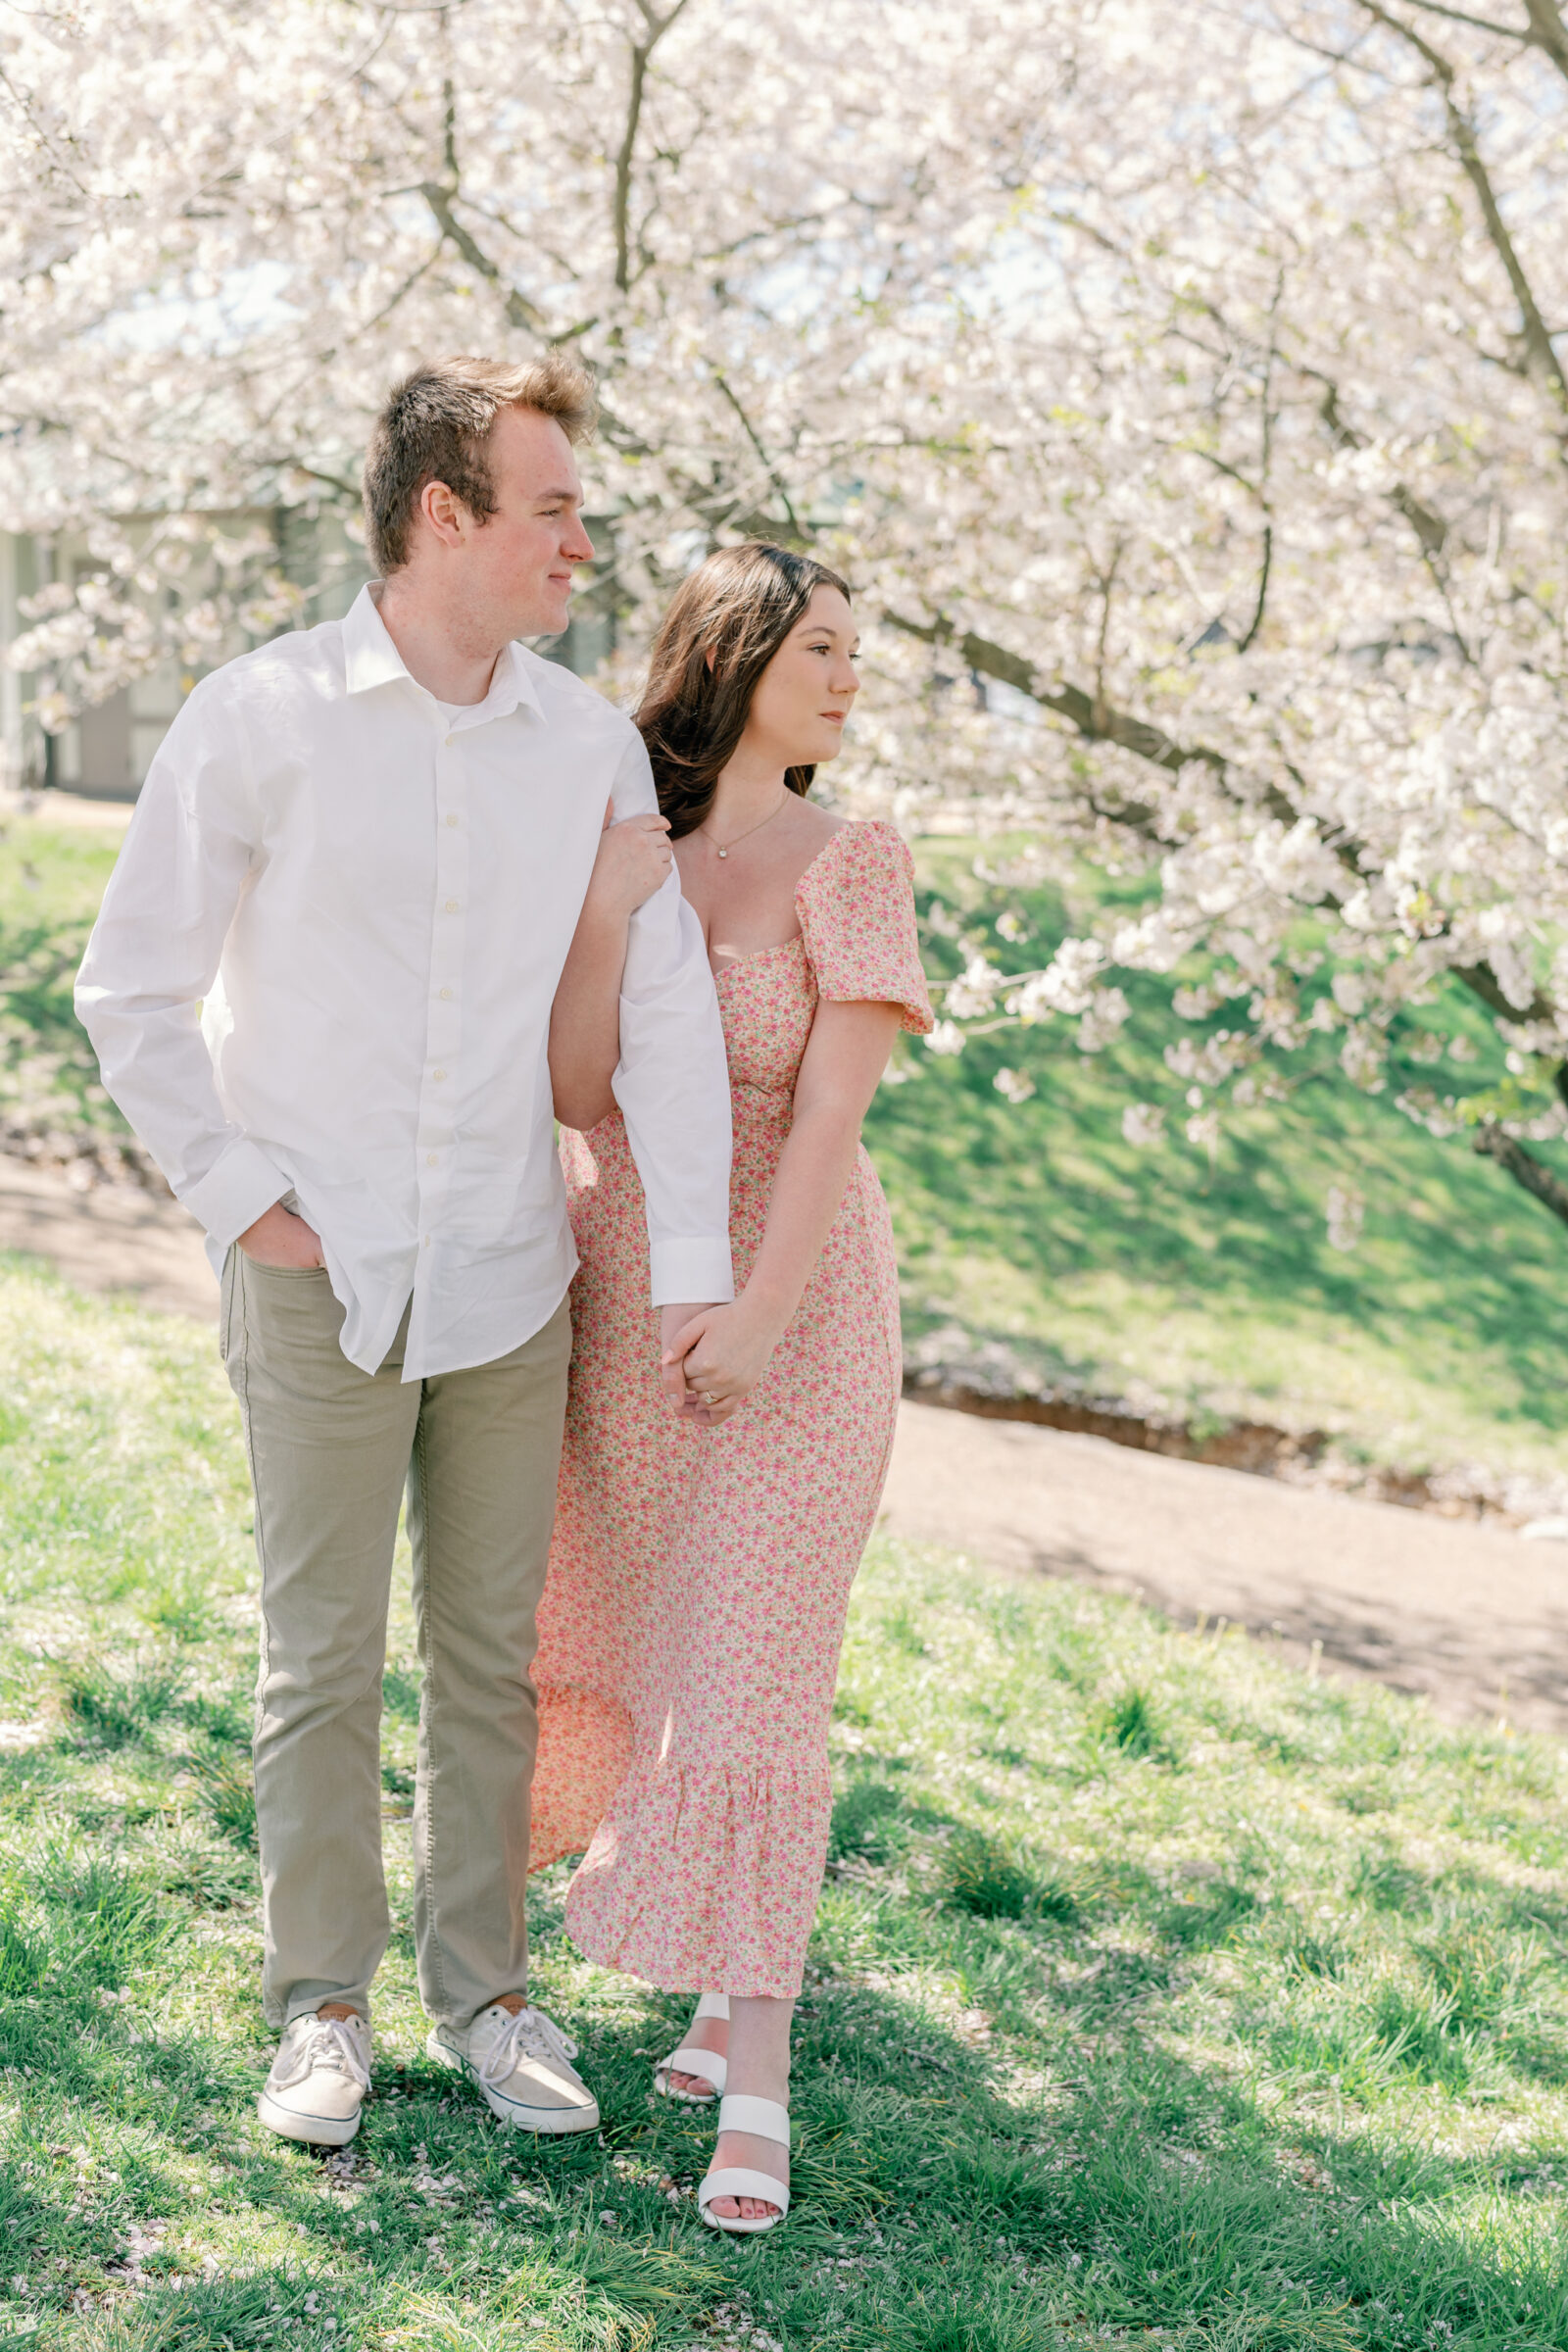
(723, 853)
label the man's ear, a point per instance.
(444, 512)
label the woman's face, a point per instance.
(803, 695)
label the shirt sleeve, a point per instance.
(857, 911)
(672, 1082)
(154, 955)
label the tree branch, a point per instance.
(1427, 527)
(773, 474)
(1099, 722)
(1457, 16)
(521, 311)
(641, 52)
(1549, 32)
(623, 160)
(1540, 356)
(1524, 1167)
(1262, 589)
(1480, 980)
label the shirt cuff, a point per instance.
(242, 1185)
(691, 1273)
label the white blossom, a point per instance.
(975, 992)
(1107, 1011)
(1345, 1211)
(1066, 985)
(1363, 1056)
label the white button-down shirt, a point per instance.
(371, 897)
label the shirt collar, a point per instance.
(370, 659)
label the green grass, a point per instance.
(1212, 1289)
(1159, 1994)
(50, 885)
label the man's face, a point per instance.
(522, 555)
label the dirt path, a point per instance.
(1473, 1616)
(113, 1237)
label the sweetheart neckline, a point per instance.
(756, 957)
(738, 964)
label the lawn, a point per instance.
(1159, 1994)
(50, 886)
(1210, 1290)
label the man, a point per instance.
(363, 850)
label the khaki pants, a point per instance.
(330, 1450)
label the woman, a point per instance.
(703, 1558)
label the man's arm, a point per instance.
(154, 953)
(672, 1083)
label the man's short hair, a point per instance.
(436, 427)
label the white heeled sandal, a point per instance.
(707, 2065)
(766, 2120)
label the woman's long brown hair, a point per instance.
(727, 622)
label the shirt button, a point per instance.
(452, 820)
(432, 1159)
(445, 996)
(452, 906)
(438, 1075)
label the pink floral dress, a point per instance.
(699, 1578)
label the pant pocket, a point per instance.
(225, 1306)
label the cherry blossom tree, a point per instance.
(1180, 384)
(1280, 564)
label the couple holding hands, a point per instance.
(398, 897)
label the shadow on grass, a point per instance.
(1166, 2198)
(998, 2147)
(1133, 2188)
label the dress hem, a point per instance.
(607, 1954)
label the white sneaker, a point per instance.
(522, 2065)
(319, 2081)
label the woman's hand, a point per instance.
(724, 1352)
(633, 860)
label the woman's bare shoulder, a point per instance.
(812, 831)
(819, 824)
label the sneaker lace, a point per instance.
(529, 2034)
(331, 2044)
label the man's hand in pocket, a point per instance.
(279, 1238)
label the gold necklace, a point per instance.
(751, 829)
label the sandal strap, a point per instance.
(738, 2181)
(714, 2004)
(710, 2066)
(765, 2117)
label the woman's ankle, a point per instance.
(759, 2048)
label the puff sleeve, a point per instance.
(857, 911)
